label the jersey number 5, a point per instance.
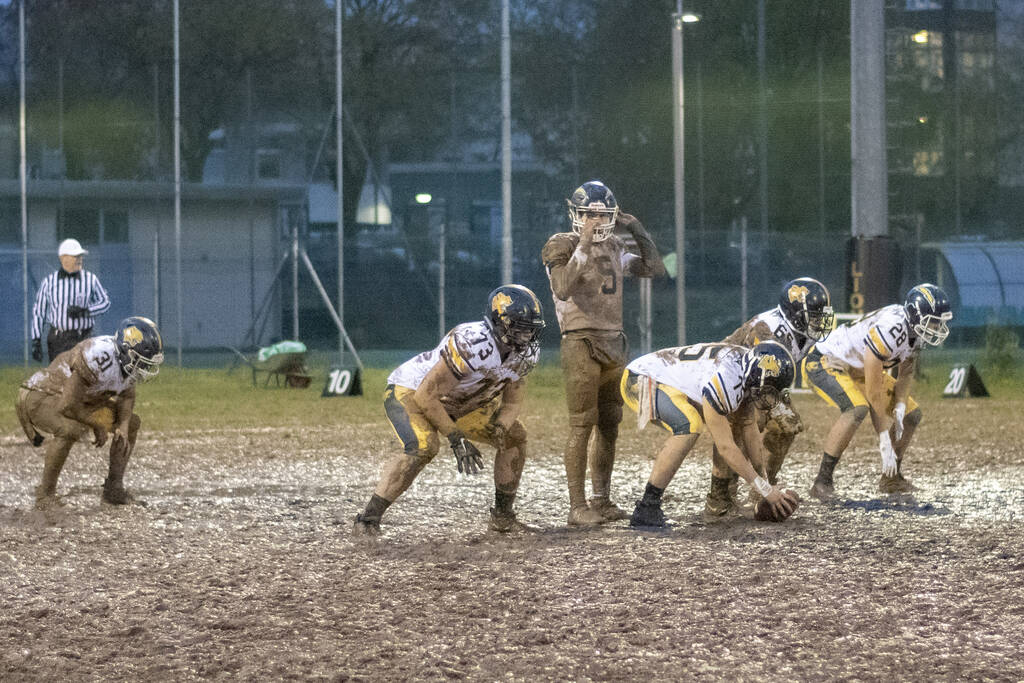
(604, 266)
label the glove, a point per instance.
(37, 350)
(888, 454)
(77, 311)
(467, 456)
(897, 415)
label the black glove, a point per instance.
(77, 311)
(467, 456)
(37, 350)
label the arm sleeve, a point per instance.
(39, 309)
(565, 264)
(649, 263)
(100, 300)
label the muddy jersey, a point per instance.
(94, 359)
(885, 333)
(772, 326)
(711, 371)
(471, 353)
(594, 300)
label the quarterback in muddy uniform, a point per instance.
(469, 388)
(804, 316)
(682, 389)
(848, 370)
(586, 268)
(91, 390)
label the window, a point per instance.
(115, 226)
(82, 224)
(93, 226)
(268, 164)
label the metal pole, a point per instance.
(762, 118)
(506, 147)
(821, 147)
(869, 206)
(441, 273)
(295, 275)
(743, 269)
(23, 177)
(177, 183)
(340, 172)
(156, 278)
(679, 185)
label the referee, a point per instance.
(67, 300)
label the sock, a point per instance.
(652, 494)
(375, 508)
(720, 486)
(503, 501)
(828, 464)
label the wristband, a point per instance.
(762, 486)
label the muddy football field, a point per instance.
(242, 566)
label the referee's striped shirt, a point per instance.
(59, 290)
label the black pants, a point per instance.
(59, 341)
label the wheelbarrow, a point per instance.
(285, 360)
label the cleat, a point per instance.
(506, 522)
(720, 509)
(49, 503)
(607, 509)
(583, 516)
(896, 484)
(115, 494)
(363, 527)
(822, 490)
(647, 515)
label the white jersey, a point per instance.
(471, 353)
(95, 359)
(711, 371)
(772, 326)
(885, 333)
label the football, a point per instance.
(763, 511)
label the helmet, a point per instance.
(139, 347)
(515, 317)
(807, 306)
(768, 370)
(928, 310)
(590, 198)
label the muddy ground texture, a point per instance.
(242, 565)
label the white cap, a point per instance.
(71, 247)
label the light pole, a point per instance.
(425, 199)
(678, 20)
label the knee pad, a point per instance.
(586, 418)
(516, 434)
(134, 425)
(858, 413)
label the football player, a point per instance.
(91, 389)
(804, 316)
(848, 370)
(720, 385)
(586, 268)
(469, 388)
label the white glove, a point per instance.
(897, 415)
(888, 454)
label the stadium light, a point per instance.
(423, 198)
(679, 19)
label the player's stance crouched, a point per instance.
(848, 370)
(470, 387)
(683, 388)
(91, 388)
(804, 316)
